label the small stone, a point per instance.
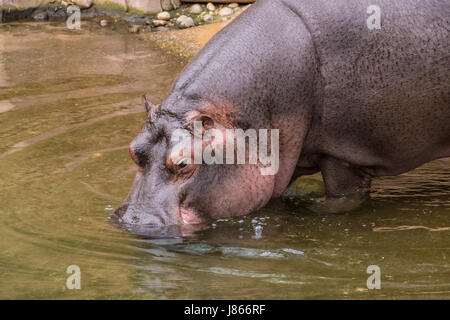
(134, 29)
(195, 9)
(208, 18)
(185, 21)
(159, 23)
(176, 3)
(41, 16)
(233, 5)
(56, 13)
(83, 4)
(163, 15)
(166, 5)
(210, 6)
(104, 23)
(226, 12)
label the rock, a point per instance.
(185, 21)
(208, 18)
(134, 29)
(233, 5)
(83, 4)
(210, 7)
(195, 9)
(41, 16)
(56, 13)
(163, 15)
(159, 23)
(226, 12)
(176, 3)
(170, 4)
(134, 19)
(166, 5)
(103, 23)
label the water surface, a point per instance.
(70, 104)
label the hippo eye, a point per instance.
(179, 165)
(182, 163)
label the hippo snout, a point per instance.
(130, 213)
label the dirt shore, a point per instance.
(185, 43)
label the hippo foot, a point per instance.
(338, 205)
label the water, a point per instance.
(69, 106)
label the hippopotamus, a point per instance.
(350, 99)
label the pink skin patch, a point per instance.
(189, 217)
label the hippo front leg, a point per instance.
(346, 186)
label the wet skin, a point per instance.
(350, 102)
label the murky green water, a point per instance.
(70, 104)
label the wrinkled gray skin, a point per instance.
(350, 102)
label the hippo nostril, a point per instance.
(121, 210)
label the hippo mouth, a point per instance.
(189, 224)
(184, 216)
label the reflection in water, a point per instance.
(65, 167)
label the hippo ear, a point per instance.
(210, 119)
(149, 107)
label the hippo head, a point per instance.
(170, 188)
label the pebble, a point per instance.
(104, 23)
(210, 6)
(134, 19)
(195, 9)
(159, 23)
(134, 29)
(185, 21)
(208, 18)
(163, 15)
(176, 3)
(170, 4)
(56, 12)
(233, 5)
(226, 12)
(41, 16)
(83, 4)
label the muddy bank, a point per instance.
(185, 43)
